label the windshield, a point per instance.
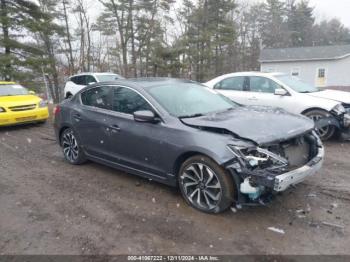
(297, 85)
(190, 99)
(108, 78)
(13, 90)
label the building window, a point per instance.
(296, 71)
(321, 73)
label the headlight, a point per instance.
(2, 110)
(260, 157)
(339, 109)
(42, 104)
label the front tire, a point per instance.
(205, 185)
(327, 132)
(71, 148)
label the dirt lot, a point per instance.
(50, 207)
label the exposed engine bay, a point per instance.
(260, 167)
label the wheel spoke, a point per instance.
(190, 184)
(74, 154)
(193, 169)
(211, 176)
(215, 186)
(199, 198)
(210, 205)
(65, 150)
(213, 197)
(193, 194)
(186, 175)
(201, 175)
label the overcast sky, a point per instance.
(326, 9)
(323, 8)
(333, 8)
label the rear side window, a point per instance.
(262, 85)
(232, 83)
(89, 79)
(127, 101)
(83, 80)
(99, 97)
(74, 79)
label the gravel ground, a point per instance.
(50, 207)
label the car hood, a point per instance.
(18, 100)
(262, 125)
(340, 96)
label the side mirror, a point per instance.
(145, 116)
(281, 92)
(31, 92)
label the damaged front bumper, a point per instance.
(284, 181)
(258, 185)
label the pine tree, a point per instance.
(209, 36)
(273, 26)
(18, 19)
(48, 36)
(300, 23)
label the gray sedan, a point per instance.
(183, 134)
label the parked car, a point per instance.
(18, 105)
(77, 82)
(287, 92)
(183, 134)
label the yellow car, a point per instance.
(19, 106)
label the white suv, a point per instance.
(330, 108)
(77, 82)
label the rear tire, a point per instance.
(326, 132)
(205, 185)
(72, 150)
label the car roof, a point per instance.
(147, 82)
(143, 83)
(92, 73)
(254, 74)
(7, 83)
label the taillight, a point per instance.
(56, 110)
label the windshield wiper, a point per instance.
(192, 116)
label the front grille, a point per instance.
(347, 108)
(298, 151)
(22, 108)
(27, 118)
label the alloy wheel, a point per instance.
(70, 147)
(322, 132)
(201, 186)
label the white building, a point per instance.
(320, 66)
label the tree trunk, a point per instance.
(132, 32)
(7, 46)
(70, 50)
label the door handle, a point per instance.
(115, 128)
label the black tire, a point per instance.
(71, 148)
(223, 196)
(327, 132)
(43, 122)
